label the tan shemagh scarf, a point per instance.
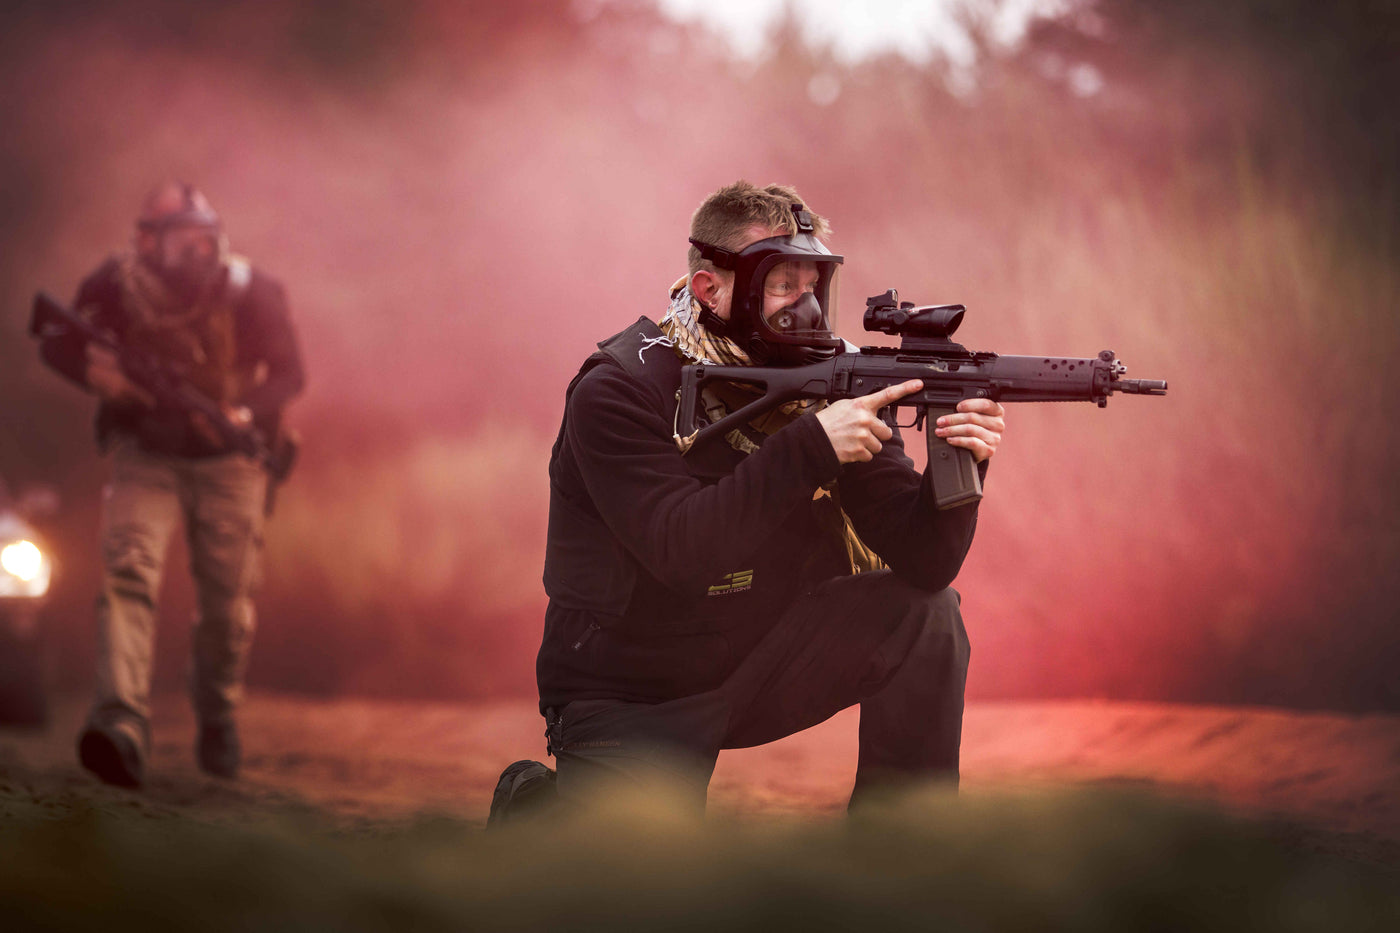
(694, 344)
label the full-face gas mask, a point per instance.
(784, 297)
(184, 241)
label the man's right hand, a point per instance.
(854, 427)
(105, 377)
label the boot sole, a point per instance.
(533, 777)
(104, 757)
(219, 759)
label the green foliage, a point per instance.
(1325, 74)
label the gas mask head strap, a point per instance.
(727, 259)
(721, 257)
(803, 217)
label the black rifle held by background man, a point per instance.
(949, 371)
(169, 390)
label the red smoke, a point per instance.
(461, 199)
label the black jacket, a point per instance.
(263, 337)
(663, 571)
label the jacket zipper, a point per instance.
(587, 634)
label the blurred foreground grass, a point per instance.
(1092, 859)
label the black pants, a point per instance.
(898, 651)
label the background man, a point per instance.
(208, 316)
(725, 597)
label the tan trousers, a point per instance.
(220, 502)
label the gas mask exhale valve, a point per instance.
(803, 316)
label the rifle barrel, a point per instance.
(1141, 386)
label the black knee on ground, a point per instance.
(929, 632)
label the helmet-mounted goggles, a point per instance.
(784, 301)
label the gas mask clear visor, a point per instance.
(785, 300)
(797, 300)
(186, 256)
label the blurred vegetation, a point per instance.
(1324, 75)
(1110, 860)
(462, 197)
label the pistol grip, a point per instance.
(952, 471)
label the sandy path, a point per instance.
(367, 759)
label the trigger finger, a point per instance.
(896, 392)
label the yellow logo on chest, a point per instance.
(735, 582)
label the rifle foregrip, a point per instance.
(952, 471)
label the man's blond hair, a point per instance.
(724, 218)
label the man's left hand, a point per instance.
(977, 425)
(237, 414)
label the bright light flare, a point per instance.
(26, 570)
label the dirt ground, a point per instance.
(364, 815)
(1333, 775)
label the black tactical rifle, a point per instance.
(949, 371)
(50, 318)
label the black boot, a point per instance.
(219, 751)
(524, 791)
(111, 752)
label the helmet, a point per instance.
(176, 203)
(181, 238)
(793, 278)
